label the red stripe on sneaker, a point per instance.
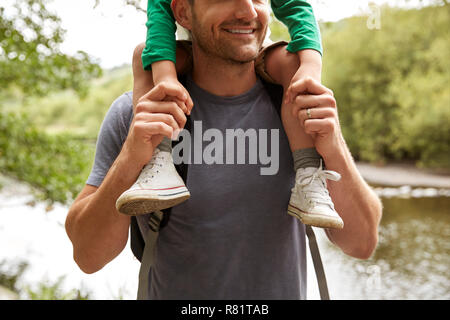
(165, 188)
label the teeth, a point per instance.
(240, 31)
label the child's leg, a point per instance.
(301, 144)
(159, 185)
(310, 201)
(143, 81)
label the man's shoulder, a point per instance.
(123, 105)
(121, 110)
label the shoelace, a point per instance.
(152, 167)
(315, 185)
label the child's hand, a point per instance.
(303, 73)
(164, 73)
(310, 68)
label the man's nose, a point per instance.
(245, 10)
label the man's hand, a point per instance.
(315, 107)
(157, 114)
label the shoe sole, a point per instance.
(315, 219)
(139, 202)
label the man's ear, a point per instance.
(182, 12)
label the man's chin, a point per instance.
(244, 54)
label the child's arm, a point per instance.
(298, 17)
(143, 80)
(285, 67)
(160, 43)
(159, 55)
(305, 42)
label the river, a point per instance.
(411, 261)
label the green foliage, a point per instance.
(64, 111)
(392, 85)
(30, 58)
(46, 290)
(278, 31)
(58, 165)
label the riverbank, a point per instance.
(400, 174)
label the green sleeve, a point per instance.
(161, 42)
(298, 17)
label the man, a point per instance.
(232, 239)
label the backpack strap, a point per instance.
(148, 256)
(137, 242)
(275, 93)
(318, 266)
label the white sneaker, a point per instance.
(310, 201)
(159, 186)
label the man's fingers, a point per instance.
(165, 89)
(185, 105)
(316, 113)
(312, 101)
(169, 107)
(306, 85)
(148, 129)
(181, 104)
(190, 104)
(170, 91)
(158, 117)
(321, 127)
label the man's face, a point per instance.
(233, 30)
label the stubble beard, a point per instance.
(223, 49)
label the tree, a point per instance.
(30, 58)
(392, 84)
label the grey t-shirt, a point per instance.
(233, 238)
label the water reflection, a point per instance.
(411, 261)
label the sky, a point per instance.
(111, 31)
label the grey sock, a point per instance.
(165, 145)
(304, 158)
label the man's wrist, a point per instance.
(339, 159)
(132, 156)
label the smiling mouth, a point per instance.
(240, 31)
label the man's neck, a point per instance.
(220, 77)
